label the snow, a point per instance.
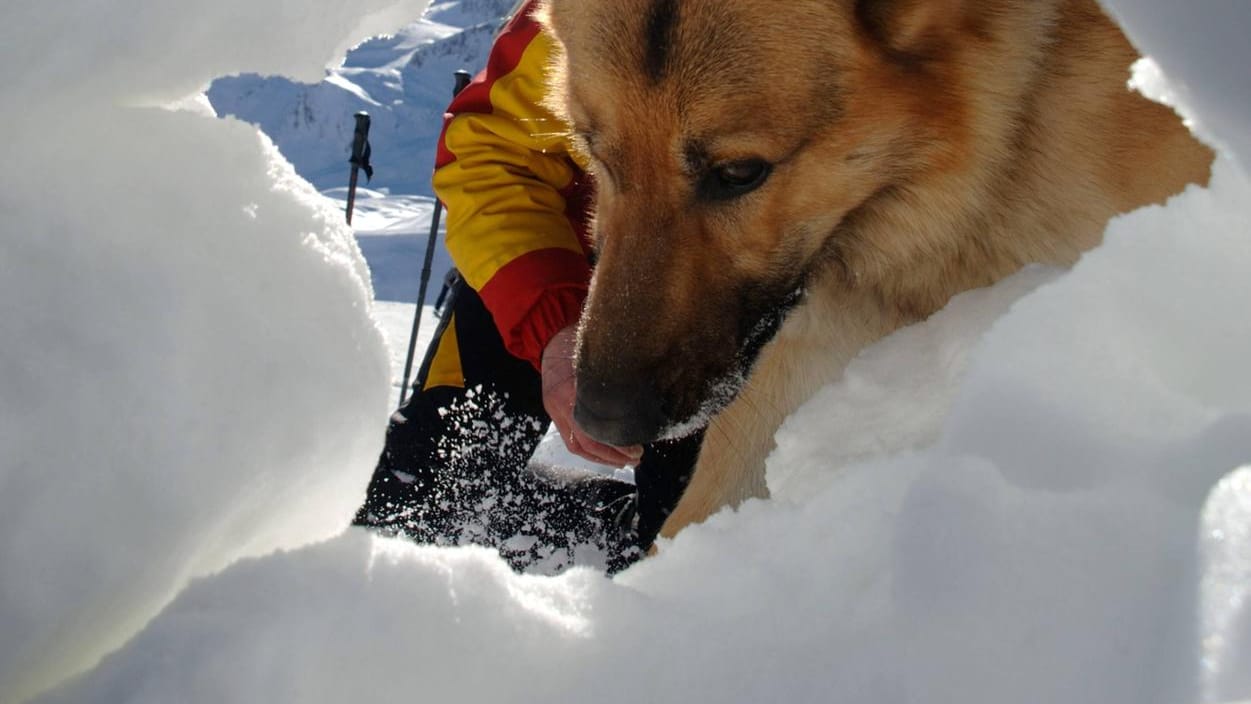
(403, 81)
(393, 233)
(1042, 494)
(1200, 52)
(189, 364)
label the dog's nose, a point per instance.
(620, 414)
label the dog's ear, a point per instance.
(911, 27)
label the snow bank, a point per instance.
(1040, 543)
(1043, 505)
(189, 372)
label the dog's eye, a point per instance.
(735, 178)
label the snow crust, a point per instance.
(1042, 494)
(189, 372)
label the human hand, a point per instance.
(560, 392)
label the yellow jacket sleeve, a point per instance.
(515, 199)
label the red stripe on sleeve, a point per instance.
(534, 297)
(505, 55)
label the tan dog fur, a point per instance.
(919, 148)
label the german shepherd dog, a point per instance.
(782, 183)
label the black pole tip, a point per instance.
(463, 78)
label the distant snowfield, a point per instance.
(393, 233)
(1042, 494)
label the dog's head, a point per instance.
(739, 149)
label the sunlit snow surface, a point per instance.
(1032, 497)
(188, 362)
(1226, 588)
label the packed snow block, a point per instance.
(1011, 594)
(1059, 524)
(896, 396)
(190, 373)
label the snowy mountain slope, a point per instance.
(403, 81)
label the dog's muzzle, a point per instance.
(619, 414)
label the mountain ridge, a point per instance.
(404, 81)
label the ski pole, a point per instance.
(462, 80)
(360, 159)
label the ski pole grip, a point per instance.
(360, 138)
(462, 80)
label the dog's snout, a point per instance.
(620, 414)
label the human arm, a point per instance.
(515, 198)
(516, 205)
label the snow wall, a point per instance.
(1035, 496)
(189, 373)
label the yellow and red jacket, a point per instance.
(516, 201)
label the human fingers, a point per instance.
(597, 451)
(559, 395)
